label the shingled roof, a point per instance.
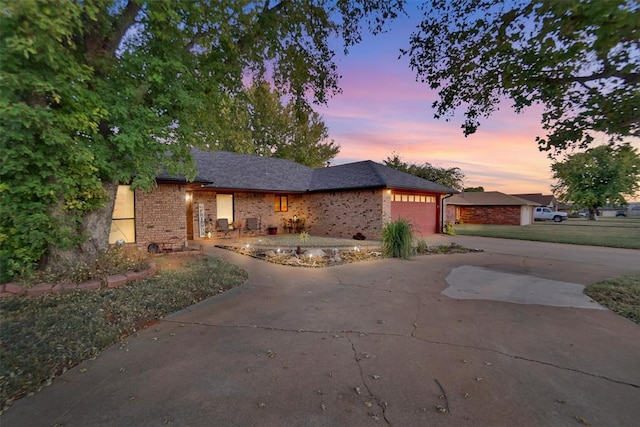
(233, 171)
(487, 198)
(541, 199)
(246, 172)
(368, 174)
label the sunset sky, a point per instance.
(383, 110)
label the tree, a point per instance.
(578, 59)
(600, 176)
(449, 177)
(96, 93)
(474, 189)
(291, 131)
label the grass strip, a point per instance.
(593, 234)
(41, 337)
(619, 294)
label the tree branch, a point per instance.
(98, 46)
(628, 78)
(121, 25)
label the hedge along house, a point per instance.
(489, 207)
(336, 201)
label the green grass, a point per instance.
(619, 294)
(44, 336)
(610, 232)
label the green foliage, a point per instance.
(43, 336)
(397, 239)
(473, 189)
(576, 58)
(451, 177)
(449, 229)
(598, 177)
(289, 130)
(96, 93)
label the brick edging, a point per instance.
(114, 281)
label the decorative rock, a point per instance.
(89, 285)
(116, 281)
(152, 269)
(64, 287)
(39, 289)
(135, 275)
(14, 288)
(315, 253)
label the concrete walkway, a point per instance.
(373, 343)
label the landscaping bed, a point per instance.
(327, 257)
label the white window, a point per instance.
(224, 207)
(123, 219)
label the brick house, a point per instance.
(336, 201)
(489, 207)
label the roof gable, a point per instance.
(539, 198)
(488, 198)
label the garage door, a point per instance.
(420, 210)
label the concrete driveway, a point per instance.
(373, 343)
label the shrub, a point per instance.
(448, 229)
(397, 239)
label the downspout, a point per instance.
(443, 212)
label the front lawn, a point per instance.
(619, 294)
(610, 232)
(41, 337)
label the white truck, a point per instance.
(545, 214)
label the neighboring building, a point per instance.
(489, 207)
(337, 201)
(547, 200)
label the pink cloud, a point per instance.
(383, 110)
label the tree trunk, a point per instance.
(592, 214)
(96, 226)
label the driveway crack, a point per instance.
(410, 336)
(528, 359)
(381, 404)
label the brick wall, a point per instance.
(343, 214)
(260, 206)
(500, 215)
(339, 214)
(450, 214)
(160, 214)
